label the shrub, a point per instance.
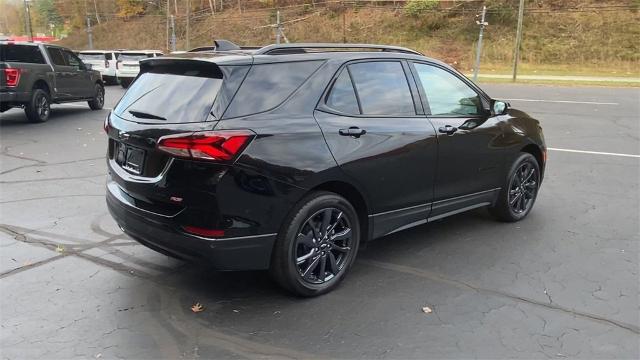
(418, 7)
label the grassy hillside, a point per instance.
(576, 41)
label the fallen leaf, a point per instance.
(60, 248)
(197, 307)
(427, 310)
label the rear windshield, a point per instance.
(171, 96)
(133, 57)
(21, 53)
(92, 56)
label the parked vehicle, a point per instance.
(289, 158)
(103, 61)
(128, 65)
(33, 76)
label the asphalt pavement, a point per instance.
(563, 283)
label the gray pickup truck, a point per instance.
(33, 76)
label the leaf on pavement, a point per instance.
(427, 310)
(197, 307)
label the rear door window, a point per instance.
(72, 59)
(56, 56)
(382, 88)
(342, 96)
(21, 53)
(171, 95)
(268, 85)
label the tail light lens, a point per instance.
(12, 76)
(117, 64)
(223, 145)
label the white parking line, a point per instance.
(595, 152)
(566, 101)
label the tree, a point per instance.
(129, 8)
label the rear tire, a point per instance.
(39, 108)
(317, 245)
(519, 193)
(98, 101)
(125, 83)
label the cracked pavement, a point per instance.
(561, 284)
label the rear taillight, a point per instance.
(117, 64)
(12, 76)
(223, 145)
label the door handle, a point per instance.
(352, 131)
(448, 129)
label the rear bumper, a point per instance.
(14, 97)
(155, 230)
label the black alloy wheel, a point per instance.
(317, 244)
(524, 186)
(323, 246)
(520, 191)
(39, 109)
(98, 101)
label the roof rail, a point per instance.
(298, 48)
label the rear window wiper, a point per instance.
(144, 115)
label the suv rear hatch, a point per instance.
(171, 96)
(98, 60)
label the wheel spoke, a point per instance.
(343, 249)
(332, 263)
(515, 199)
(305, 257)
(307, 240)
(323, 265)
(326, 220)
(341, 236)
(311, 267)
(521, 204)
(335, 223)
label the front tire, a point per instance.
(520, 190)
(39, 108)
(317, 245)
(98, 100)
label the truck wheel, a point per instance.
(98, 101)
(39, 108)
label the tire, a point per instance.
(334, 253)
(98, 101)
(519, 193)
(39, 108)
(125, 83)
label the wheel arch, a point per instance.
(355, 197)
(41, 84)
(537, 153)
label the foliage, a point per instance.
(419, 7)
(130, 8)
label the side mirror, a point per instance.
(499, 107)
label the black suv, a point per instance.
(288, 157)
(33, 76)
